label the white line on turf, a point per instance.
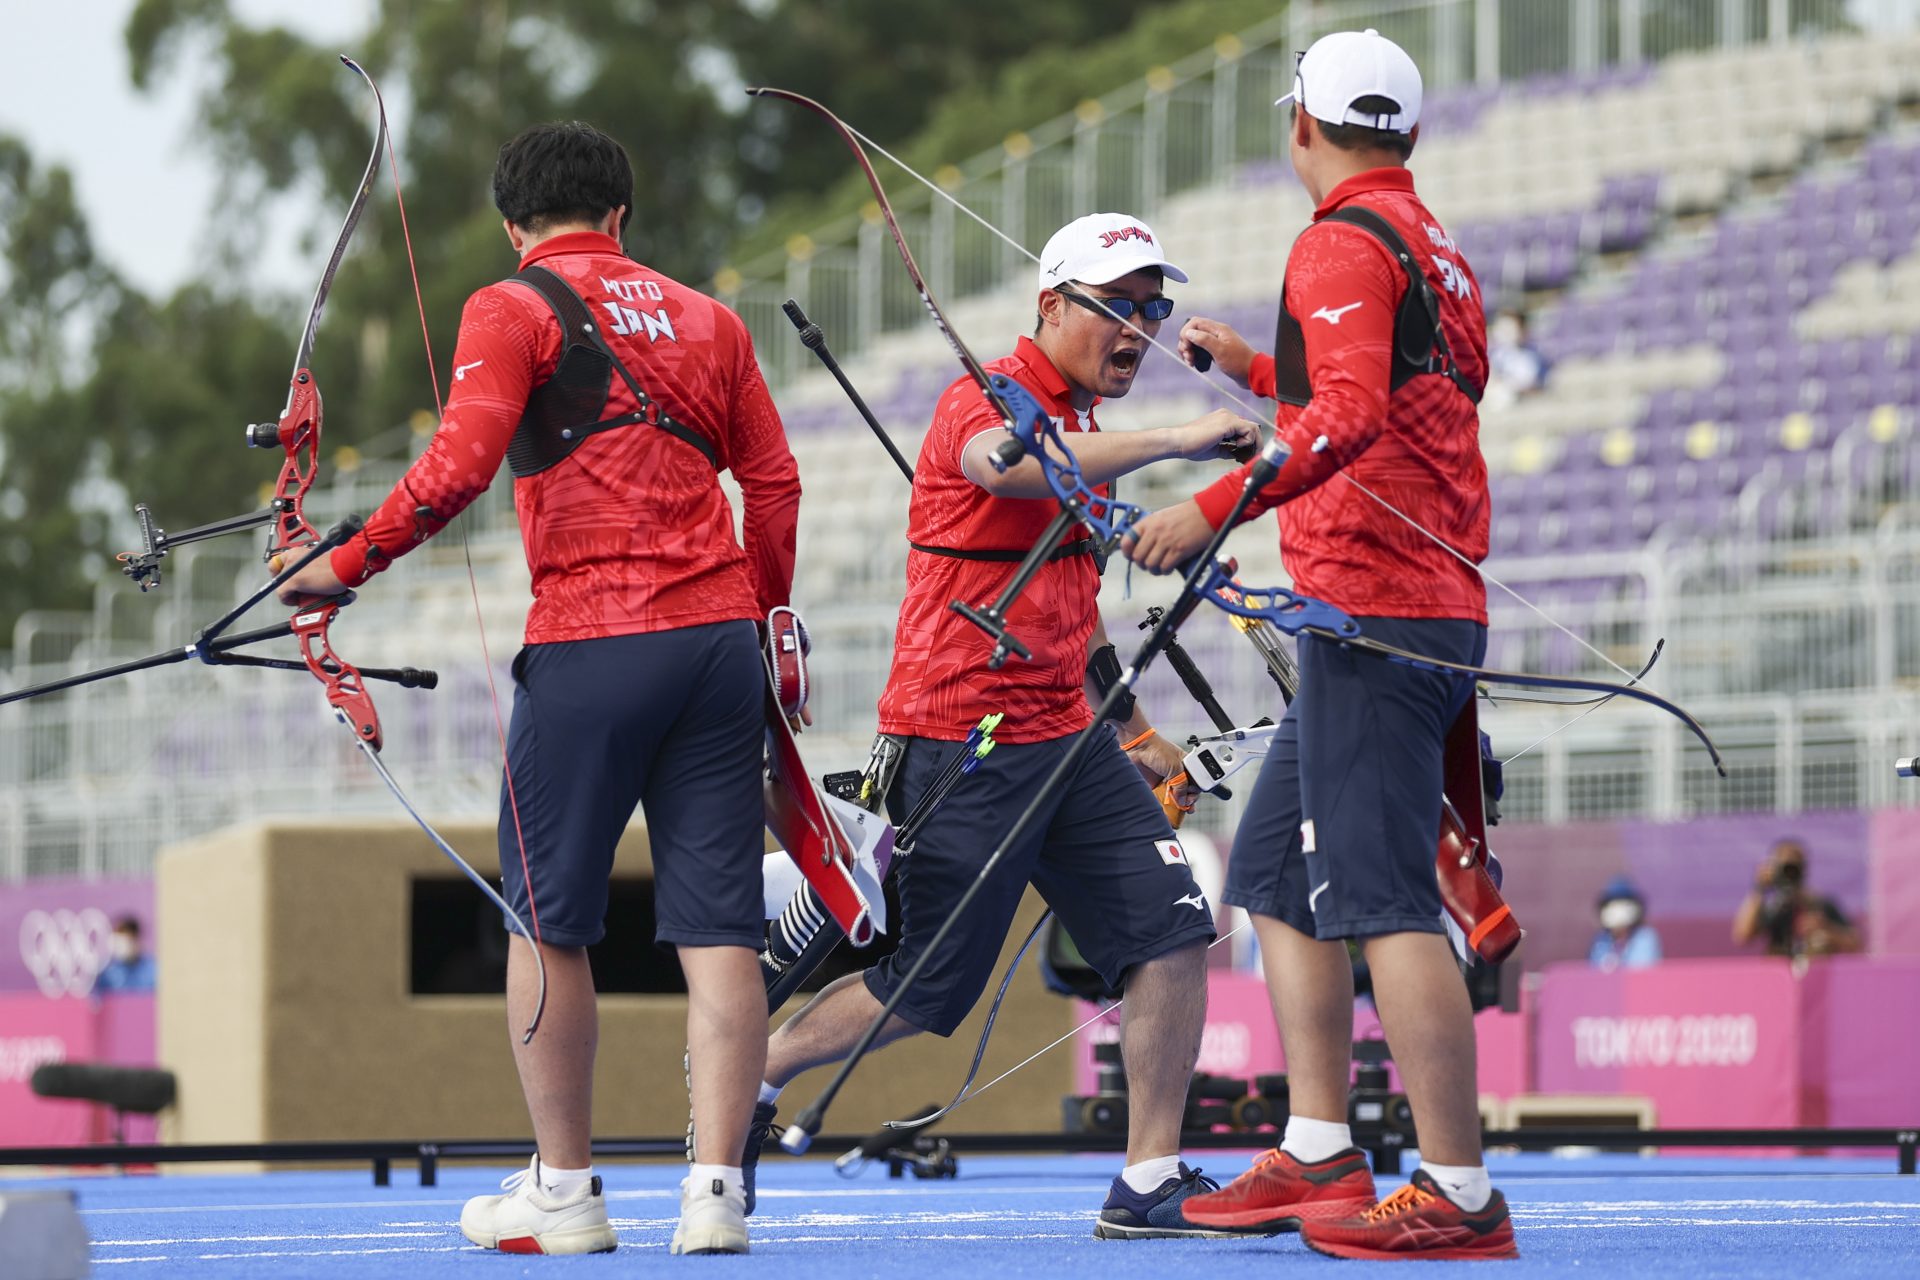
(673, 1193)
(273, 1239)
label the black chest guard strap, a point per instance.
(566, 408)
(1419, 342)
(1007, 555)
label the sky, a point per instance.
(146, 189)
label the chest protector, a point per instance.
(568, 407)
(1419, 343)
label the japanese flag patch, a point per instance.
(1171, 852)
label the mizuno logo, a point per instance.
(1196, 900)
(1313, 899)
(460, 370)
(1331, 315)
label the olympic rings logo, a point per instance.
(65, 950)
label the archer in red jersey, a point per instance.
(1383, 513)
(616, 396)
(1103, 856)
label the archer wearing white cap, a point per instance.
(1379, 358)
(1101, 852)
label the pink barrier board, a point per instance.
(1714, 1043)
(1241, 1039)
(34, 1029)
(1860, 1041)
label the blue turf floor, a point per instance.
(1606, 1216)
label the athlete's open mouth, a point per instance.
(1125, 361)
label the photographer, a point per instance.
(1793, 921)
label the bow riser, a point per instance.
(298, 433)
(346, 692)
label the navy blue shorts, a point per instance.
(1340, 834)
(1102, 855)
(670, 721)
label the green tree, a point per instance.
(886, 66)
(1029, 63)
(56, 289)
(464, 76)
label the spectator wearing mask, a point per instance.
(1789, 918)
(1625, 940)
(1516, 367)
(131, 968)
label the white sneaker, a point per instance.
(713, 1218)
(527, 1219)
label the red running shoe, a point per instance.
(1280, 1193)
(1418, 1221)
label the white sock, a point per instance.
(1466, 1185)
(1149, 1174)
(1310, 1141)
(563, 1183)
(701, 1177)
(769, 1092)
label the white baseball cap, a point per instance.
(1348, 65)
(1100, 248)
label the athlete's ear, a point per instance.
(1302, 131)
(1413, 137)
(515, 236)
(616, 221)
(1050, 306)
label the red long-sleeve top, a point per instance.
(631, 532)
(1417, 448)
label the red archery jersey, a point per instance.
(940, 684)
(631, 532)
(1418, 448)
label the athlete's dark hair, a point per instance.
(554, 174)
(1357, 137)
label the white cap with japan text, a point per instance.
(1346, 66)
(1100, 248)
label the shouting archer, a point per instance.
(1103, 856)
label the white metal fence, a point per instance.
(1803, 658)
(1197, 121)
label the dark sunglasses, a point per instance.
(1119, 308)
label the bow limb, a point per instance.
(298, 430)
(1659, 646)
(1019, 412)
(972, 365)
(986, 1034)
(1380, 649)
(1297, 614)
